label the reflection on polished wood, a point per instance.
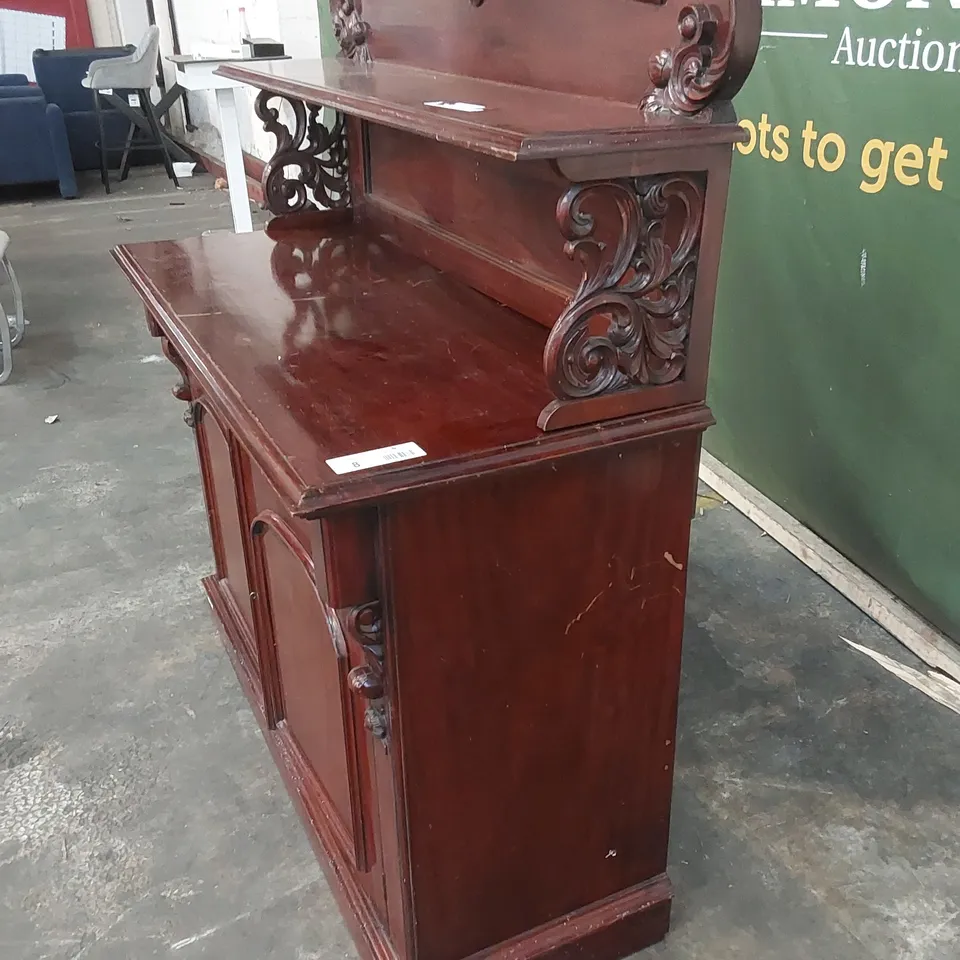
(464, 652)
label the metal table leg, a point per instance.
(11, 326)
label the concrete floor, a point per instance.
(817, 800)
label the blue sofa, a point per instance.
(59, 73)
(33, 137)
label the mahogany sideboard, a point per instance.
(448, 410)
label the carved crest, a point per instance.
(628, 324)
(687, 77)
(351, 30)
(319, 154)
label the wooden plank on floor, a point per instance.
(915, 633)
(934, 684)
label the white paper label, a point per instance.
(376, 458)
(457, 105)
(133, 99)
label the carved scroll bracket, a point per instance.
(628, 325)
(689, 76)
(182, 391)
(318, 153)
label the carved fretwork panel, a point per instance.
(688, 77)
(351, 30)
(318, 153)
(628, 325)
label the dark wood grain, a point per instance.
(574, 675)
(499, 237)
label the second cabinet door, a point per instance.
(311, 703)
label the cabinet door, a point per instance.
(219, 465)
(306, 667)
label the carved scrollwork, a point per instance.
(687, 77)
(628, 324)
(191, 416)
(351, 30)
(182, 390)
(364, 623)
(318, 153)
(375, 720)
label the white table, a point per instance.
(197, 73)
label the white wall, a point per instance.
(206, 26)
(133, 19)
(104, 22)
(213, 26)
(116, 22)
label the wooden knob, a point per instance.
(366, 682)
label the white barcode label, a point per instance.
(457, 105)
(376, 458)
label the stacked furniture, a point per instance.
(60, 75)
(33, 138)
(448, 431)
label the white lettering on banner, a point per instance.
(870, 52)
(883, 63)
(862, 4)
(911, 51)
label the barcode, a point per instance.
(376, 458)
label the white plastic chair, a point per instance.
(12, 325)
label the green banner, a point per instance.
(837, 339)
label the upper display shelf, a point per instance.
(505, 120)
(537, 79)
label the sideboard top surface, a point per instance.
(329, 344)
(513, 122)
(337, 343)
